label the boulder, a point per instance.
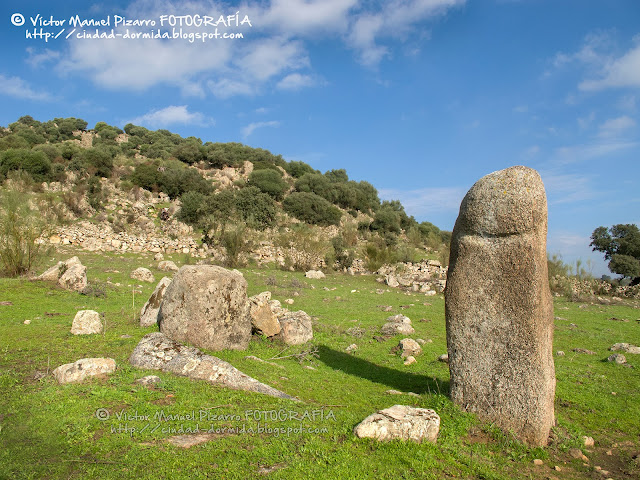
(74, 278)
(168, 266)
(207, 306)
(499, 312)
(409, 347)
(400, 422)
(149, 312)
(625, 347)
(314, 274)
(84, 368)
(55, 272)
(296, 328)
(142, 274)
(617, 358)
(264, 320)
(86, 322)
(397, 324)
(392, 281)
(158, 352)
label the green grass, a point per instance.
(51, 431)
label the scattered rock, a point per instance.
(55, 272)
(617, 358)
(149, 380)
(537, 461)
(356, 332)
(264, 320)
(625, 347)
(410, 360)
(190, 440)
(392, 281)
(584, 350)
(393, 392)
(409, 347)
(158, 257)
(499, 310)
(207, 306)
(421, 341)
(74, 278)
(86, 322)
(149, 312)
(125, 336)
(560, 353)
(142, 274)
(168, 266)
(351, 348)
(289, 301)
(314, 274)
(84, 368)
(400, 422)
(444, 358)
(397, 324)
(296, 328)
(27, 322)
(588, 441)
(158, 352)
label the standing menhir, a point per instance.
(498, 305)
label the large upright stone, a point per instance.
(498, 305)
(207, 306)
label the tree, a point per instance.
(269, 182)
(621, 246)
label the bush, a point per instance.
(311, 208)
(191, 208)
(99, 161)
(235, 243)
(35, 163)
(269, 182)
(257, 209)
(20, 228)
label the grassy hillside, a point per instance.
(52, 431)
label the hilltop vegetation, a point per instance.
(261, 191)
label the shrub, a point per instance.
(311, 208)
(269, 182)
(20, 228)
(99, 161)
(191, 208)
(235, 243)
(257, 209)
(35, 163)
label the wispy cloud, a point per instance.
(579, 153)
(172, 115)
(18, 88)
(39, 58)
(249, 129)
(427, 201)
(564, 188)
(296, 81)
(615, 127)
(618, 72)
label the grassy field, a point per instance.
(52, 431)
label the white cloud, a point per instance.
(296, 81)
(36, 59)
(425, 202)
(586, 122)
(614, 127)
(249, 129)
(270, 57)
(620, 72)
(225, 88)
(578, 153)
(566, 187)
(18, 88)
(171, 115)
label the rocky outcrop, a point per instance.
(84, 368)
(296, 328)
(400, 422)
(149, 312)
(86, 322)
(158, 352)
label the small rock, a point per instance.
(351, 348)
(584, 350)
(158, 257)
(420, 341)
(188, 441)
(393, 392)
(575, 453)
(557, 468)
(142, 274)
(86, 322)
(625, 347)
(149, 380)
(296, 328)
(400, 422)
(617, 358)
(444, 358)
(410, 360)
(289, 301)
(560, 353)
(537, 461)
(27, 322)
(314, 274)
(397, 324)
(84, 368)
(125, 336)
(609, 452)
(308, 367)
(409, 347)
(588, 441)
(412, 394)
(168, 266)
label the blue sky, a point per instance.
(419, 97)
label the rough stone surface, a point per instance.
(264, 319)
(397, 324)
(158, 352)
(86, 322)
(168, 266)
(617, 358)
(149, 312)
(207, 306)
(408, 346)
(314, 274)
(400, 422)
(296, 328)
(625, 347)
(143, 274)
(53, 273)
(149, 380)
(84, 368)
(499, 310)
(74, 278)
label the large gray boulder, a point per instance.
(157, 352)
(499, 311)
(83, 369)
(74, 278)
(296, 328)
(207, 306)
(149, 312)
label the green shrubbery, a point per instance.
(269, 182)
(311, 208)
